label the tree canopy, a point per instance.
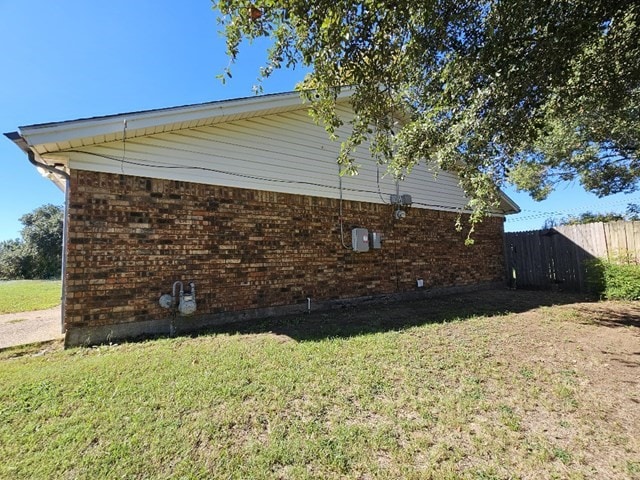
(530, 92)
(38, 254)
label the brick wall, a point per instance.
(130, 238)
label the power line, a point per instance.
(567, 211)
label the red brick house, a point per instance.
(242, 198)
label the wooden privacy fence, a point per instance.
(555, 258)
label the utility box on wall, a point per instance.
(376, 240)
(360, 240)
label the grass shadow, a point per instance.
(369, 319)
(613, 318)
(34, 349)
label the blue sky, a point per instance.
(73, 59)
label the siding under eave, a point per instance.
(283, 152)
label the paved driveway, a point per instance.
(29, 327)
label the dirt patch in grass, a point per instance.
(575, 385)
(564, 376)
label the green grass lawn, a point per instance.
(445, 397)
(28, 295)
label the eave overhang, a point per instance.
(49, 138)
(48, 141)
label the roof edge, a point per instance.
(58, 132)
(155, 111)
(16, 138)
(58, 177)
(509, 201)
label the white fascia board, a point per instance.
(53, 133)
(514, 206)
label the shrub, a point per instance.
(614, 279)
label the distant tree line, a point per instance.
(38, 254)
(631, 214)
